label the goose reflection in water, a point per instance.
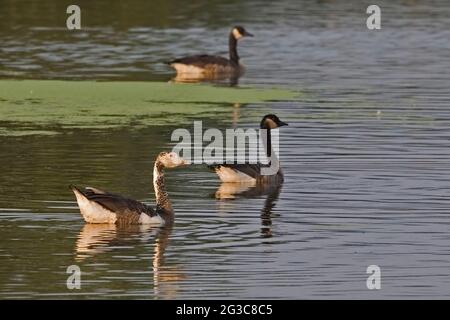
(232, 191)
(96, 239)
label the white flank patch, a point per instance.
(230, 175)
(92, 212)
(187, 69)
(146, 219)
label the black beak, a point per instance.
(248, 34)
(281, 124)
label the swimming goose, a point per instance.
(97, 206)
(206, 66)
(251, 173)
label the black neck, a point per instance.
(267, 142)
(232, 45)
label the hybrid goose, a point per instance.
(97, 206)
(207, 66)
(252, 173)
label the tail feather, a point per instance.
(77, 191)
(214, 167)
(90, 209)
(75, 188)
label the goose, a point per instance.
(251, 173)
(97, 206)
(207, 66)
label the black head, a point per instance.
(271, 121)
(239, 32)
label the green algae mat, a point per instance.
(91, 104)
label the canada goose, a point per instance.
(207, 66)
(97, 206)
(251, 173)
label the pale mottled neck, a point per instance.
(162, 198)
(232, 46)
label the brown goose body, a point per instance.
(97, 206)
(105, 207)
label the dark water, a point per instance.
(366, 155)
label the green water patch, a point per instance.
(91, 104)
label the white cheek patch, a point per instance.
(237, 35)
(271, 124)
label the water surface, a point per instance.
(366, 154)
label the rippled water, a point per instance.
(366, 155)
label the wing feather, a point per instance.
(125, 208)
